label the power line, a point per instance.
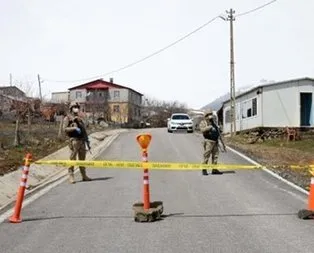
(255, 9)
(146, 57)
(160, 50)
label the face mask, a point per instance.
(75, 110)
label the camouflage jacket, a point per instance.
(205, 125)
(210, 132)
(70, 123)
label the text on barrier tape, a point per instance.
(155, 165)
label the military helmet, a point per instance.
(74, 104)
(208, 113)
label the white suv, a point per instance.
(180, 121)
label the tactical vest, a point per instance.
(212, 134)
(75, 134)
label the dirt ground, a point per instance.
(277, 154)
(40, 141)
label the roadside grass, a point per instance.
(305, 144)
(40, 141)
(276, 151)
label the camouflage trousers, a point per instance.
(78, 149)
(210, 150)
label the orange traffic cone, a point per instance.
(146, 198)
(306, 214)
(16, 217)
(311, 196)
(144, 141)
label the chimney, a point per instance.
(111, 79)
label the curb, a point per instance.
(269, 171)
(250, 160)
(58, 175)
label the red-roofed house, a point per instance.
(114, 102)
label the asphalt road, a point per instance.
(245, 211)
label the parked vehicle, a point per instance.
(144, 124)
(180, 121)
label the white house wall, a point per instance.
(243, 122)
(122, 97)
(114, 95)
(281, 103)
(135, 98)
(59, 97)
(278, 105)
(78, 95)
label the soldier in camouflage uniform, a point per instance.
(74, 127)
(211, 134)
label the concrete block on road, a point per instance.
(152, 214)
(306, 214)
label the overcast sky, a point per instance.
(73, 40)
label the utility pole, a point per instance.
(11, 80)
(39, 84)
(231, 18)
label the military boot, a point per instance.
(204, 172)
(216, 172)
(71, 178)
(84, 176)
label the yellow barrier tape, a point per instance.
(160, 165)
(148, 165)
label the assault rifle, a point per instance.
(84, 133)
(224, 149)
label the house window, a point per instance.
(116, 94)
(249, 108)
(249, 112)
(116, 108)
(78, 94)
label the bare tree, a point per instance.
(97, 104)
(157, 111)
(119, 114)
(27, 86)
(17, 138)
(24, 107)
(60, 128)
(61, 111)
(21, 108)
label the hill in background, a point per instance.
(217, 103)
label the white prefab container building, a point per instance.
(281, 104)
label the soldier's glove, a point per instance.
(78, 130)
